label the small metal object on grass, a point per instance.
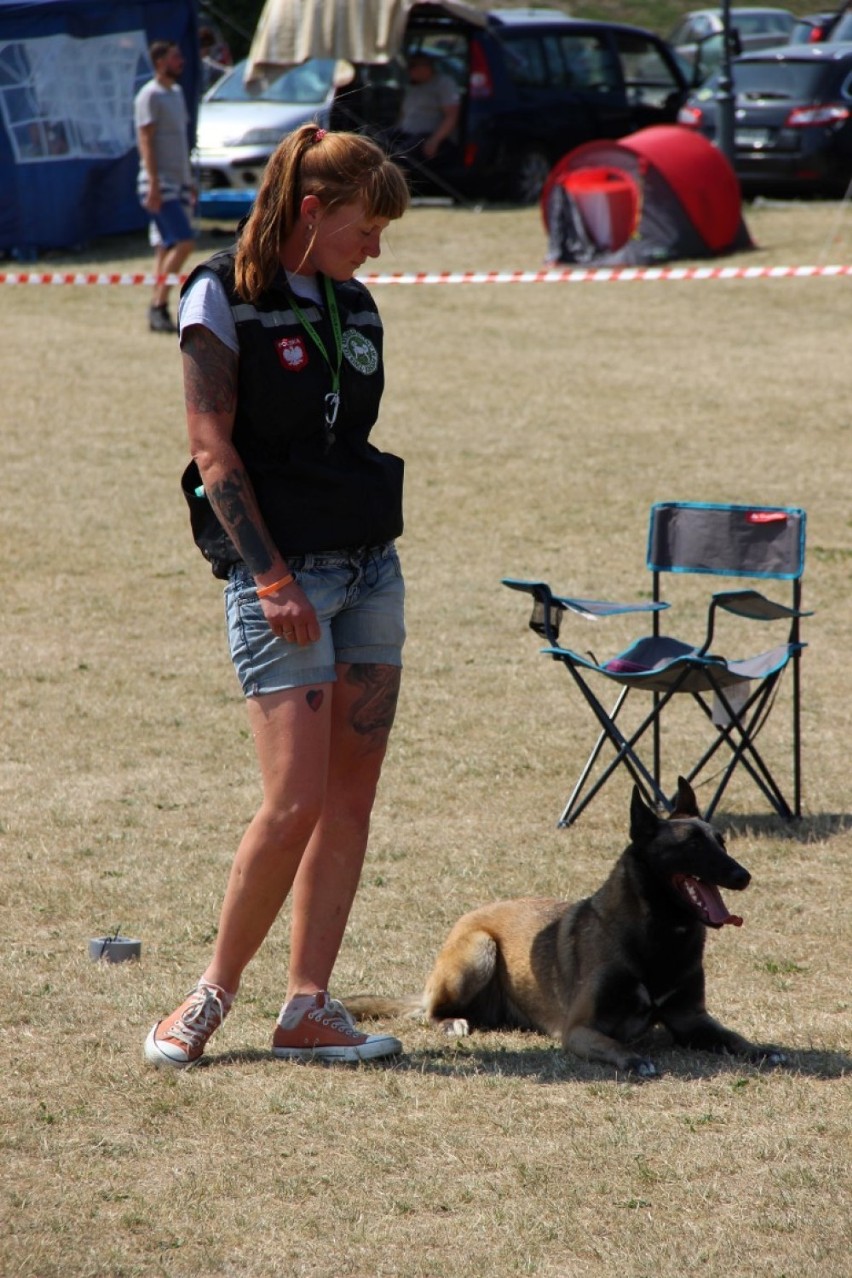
(114, 948)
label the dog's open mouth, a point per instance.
(706, 901)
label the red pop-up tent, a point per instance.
(661, 193)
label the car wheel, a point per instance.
(529, 175)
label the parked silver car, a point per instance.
(238, 129)
(697, 37)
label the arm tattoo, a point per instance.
(210, 373)
(373, 712)
(233, 500)
(210, 387)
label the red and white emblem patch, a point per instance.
(292, 353)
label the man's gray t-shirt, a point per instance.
(423, 105)
(165, 108)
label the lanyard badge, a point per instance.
(331, 401)
(332, 404)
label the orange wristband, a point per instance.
(264, 591)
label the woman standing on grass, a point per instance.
(282, 358)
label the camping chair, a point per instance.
(736, 696)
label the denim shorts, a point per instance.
(171, 223)
(358, 596)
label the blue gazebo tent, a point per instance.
(69, 70)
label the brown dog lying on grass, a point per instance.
(599, 973)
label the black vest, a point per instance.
(313, 496)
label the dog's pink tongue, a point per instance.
(711, 899)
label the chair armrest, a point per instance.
(751, 605)
(548, 608)
(589, 608)
(755, 606)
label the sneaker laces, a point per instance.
(332, 1014)
(204, 1014)
(338, 1017)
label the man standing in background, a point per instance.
(165, 178)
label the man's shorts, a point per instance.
(171, 224)
(359, 599)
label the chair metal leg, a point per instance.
(625, 751)
(797, 738)
(566, 817)
(722, 738)
(625, 755)
(739, 736)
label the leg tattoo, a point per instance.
(373, 712)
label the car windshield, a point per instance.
(759, 22)
(308, 83)
(776, 79)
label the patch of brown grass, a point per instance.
(538, 424)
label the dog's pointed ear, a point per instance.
(685, 804)
(644, 822)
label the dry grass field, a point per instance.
(538, 423)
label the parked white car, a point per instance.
(238, 129)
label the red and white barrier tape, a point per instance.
(609, 274)
(590, 275)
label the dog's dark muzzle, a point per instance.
(739, 878)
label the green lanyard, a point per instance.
(332, 399)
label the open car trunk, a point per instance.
(371, 43)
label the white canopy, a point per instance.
(291, 31)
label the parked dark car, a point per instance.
(811, 28)
(829, 24)
(840, 31)
(535, 85)
(793, 119)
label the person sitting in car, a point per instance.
(429, 114)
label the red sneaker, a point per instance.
(319, 1028)
(180, 1039)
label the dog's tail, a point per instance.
(371, 1006)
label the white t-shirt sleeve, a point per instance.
(206, 303)
(143, 110)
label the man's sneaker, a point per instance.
(180, 1039)
(160, 321)
(316, 1027)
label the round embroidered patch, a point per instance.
(360, 351)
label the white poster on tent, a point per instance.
(64, 99)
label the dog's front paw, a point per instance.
(641, 1067)
(455, 1027)
(767, 1055)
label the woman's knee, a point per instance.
(348, 809)
(291, 821)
